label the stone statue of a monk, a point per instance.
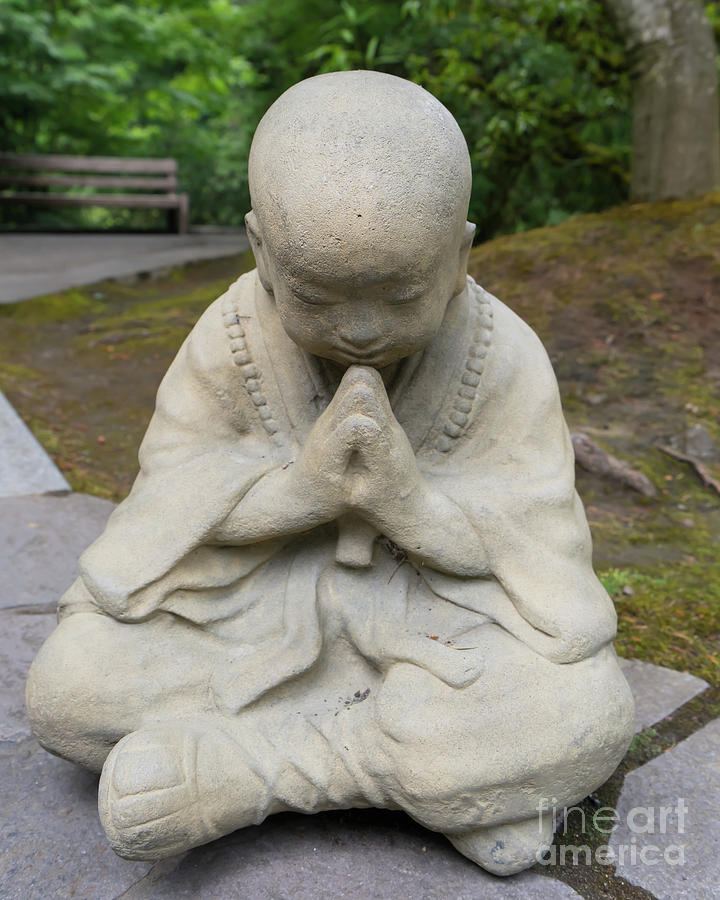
(353, 570)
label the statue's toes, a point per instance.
(506, 849)
(149, 802)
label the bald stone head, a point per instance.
(360, 184)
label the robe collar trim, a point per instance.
(475, 320)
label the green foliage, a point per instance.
(541, 91)
(540, 87)
(150, 79)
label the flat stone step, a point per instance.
(52, 841)
(25, 468)
(49, 807)
(51, 837)
(658, 691)
(21, 636)
(357, 854)
(41, 538)
(669, 830)
(53, 846)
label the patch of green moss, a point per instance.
(645, 746)
(61, 307)
(669, 614)
(17, 371)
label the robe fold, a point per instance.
(481, 409)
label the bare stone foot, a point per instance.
(506, 849)
(166, 789)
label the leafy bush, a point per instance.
(539, 87)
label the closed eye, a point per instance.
(311, 299)
(404, 298)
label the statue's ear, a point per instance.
(258, 248)
(465, 248)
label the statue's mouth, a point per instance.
(367, 356)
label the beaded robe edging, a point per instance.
(474, 365)
(463, 402)
(248, 369)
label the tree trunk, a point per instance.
(676, 129)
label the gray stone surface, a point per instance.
(658, 691)
(53, 846)
(51, 839)
(699, 442)
(36, 264)
(22, 631)
(25, 468)
(41, 538)
(40, 541)
(689, 772)
(356, 854)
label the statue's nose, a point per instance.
(359, 334)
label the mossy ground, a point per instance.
(82, 367)
(628, 305)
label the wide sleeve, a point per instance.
(200, 455)
(513, 475)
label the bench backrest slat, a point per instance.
(164, 183)
(59, 163)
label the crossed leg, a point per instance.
(474, 763)
(483, 764)
(135, 703)
(96, 679)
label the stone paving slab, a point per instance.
(22, 633)
(51, 840)
(35, 264)
(359, 854)
(41, 539)
(25, 468)
(682, 860)
(53, 846)
(658, 691)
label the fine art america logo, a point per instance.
(640, 824)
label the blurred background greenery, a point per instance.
(541, 89)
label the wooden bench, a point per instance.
(108, 174)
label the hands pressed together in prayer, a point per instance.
(357, 457)
(357, 463)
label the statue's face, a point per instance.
(357, 305)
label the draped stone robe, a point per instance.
(481, 409)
